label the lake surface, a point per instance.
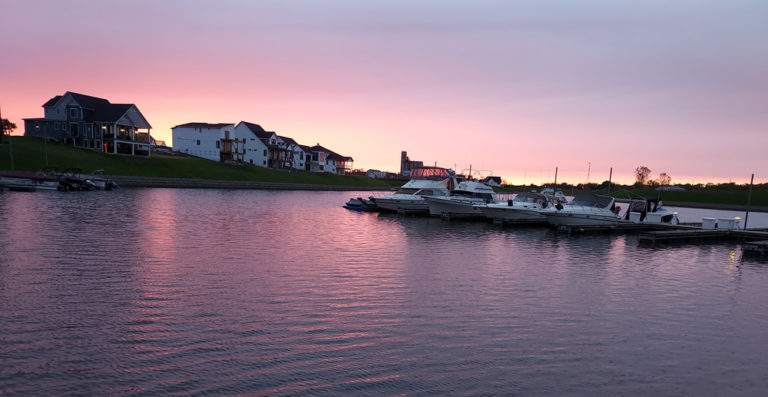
(179, 292)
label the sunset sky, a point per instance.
(513, 88)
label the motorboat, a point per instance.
(73, 180)
(101, 182)
(554, 195)
(525, 207)
(425, 182)
(649, 210)
(585, 210)
(463, 202)
(45, 179)
(360, 204)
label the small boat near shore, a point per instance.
(585, 210)
(361, 204)
(24, 181)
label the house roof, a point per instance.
(257, 130)
(96, 109)
(203, 125)
(288, 140)
(52, 101)
(331, 154)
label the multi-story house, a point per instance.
(93, 123)
(212, 141)
(325, 160)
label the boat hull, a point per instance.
(408, 204)
(444, 206)
(507, 213)
(561, 218)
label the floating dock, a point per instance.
(701, 235)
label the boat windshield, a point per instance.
(406, 190)
(429, 173)
(529, 198)
(591, 200)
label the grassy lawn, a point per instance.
(29, 154)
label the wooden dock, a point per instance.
(701, 235)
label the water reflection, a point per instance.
(162, 291)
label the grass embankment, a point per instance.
(29, 154)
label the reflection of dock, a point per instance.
(756, 247)
(702, 235)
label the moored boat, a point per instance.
(464, 201)
(585, 210)
(24, 181)
(525, 207)
(425, 182)
(360, 204)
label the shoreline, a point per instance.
(189, 183)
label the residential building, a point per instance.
(296, 155)
(325, 160)
(93, 123)
(255, 138)
(212, 141)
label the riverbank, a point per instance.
(193, 183)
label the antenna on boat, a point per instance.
(610, 176)
(555, 175)
(749, 200)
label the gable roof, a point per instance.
(203, 125)
(331, 154)
(98, 109)
(288, 140)
(257, 130)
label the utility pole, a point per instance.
(610, 176)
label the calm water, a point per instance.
(178, 292)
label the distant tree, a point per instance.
(664, 179)
(7, 127)
(641, 174)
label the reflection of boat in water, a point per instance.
(360, 204)
(425, 182)
(45, 179)
(585, 209)
(524, 208)
(464, 202)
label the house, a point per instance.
(325, 160)
(255, 141)
(296, 152)
(212, 141)
(93, 123)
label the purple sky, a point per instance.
(516, 88)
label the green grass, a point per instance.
(29, 154)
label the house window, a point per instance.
(251, 161)
(264, 162)
(321, 167)
(218, 145)
(198, 142)
(265, 152)
(37, 125)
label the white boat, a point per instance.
(585, 210)
(554, 196)
(652, 211)
(29, 182)
(464, 201)
(425, 182)
(523, 208)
